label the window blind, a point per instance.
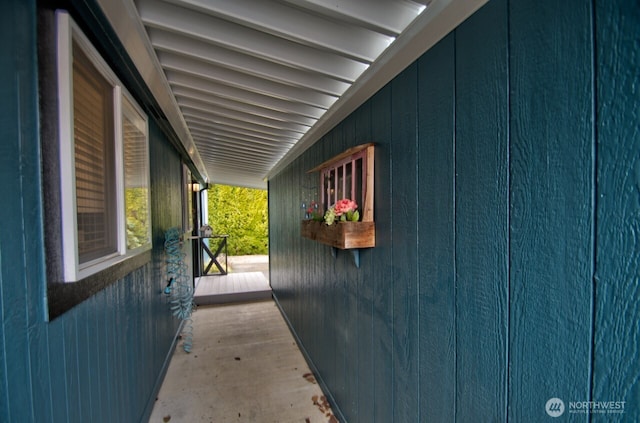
(93, 122)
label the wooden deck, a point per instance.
(232, 288)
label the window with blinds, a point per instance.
(93, 125)
(104, 161)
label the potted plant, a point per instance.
(341, 227)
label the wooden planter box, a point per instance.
(342, 235)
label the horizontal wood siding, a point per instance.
(101, 360)
(503, 185)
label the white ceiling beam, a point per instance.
(390, 17)
(175, 43)
(235, 162)
(240, 124)
(230, 35)
(208, 142)
(204, 131)
(294, 24)
(241, 152)
(215, 101)
(237, 94)
(201, 133)
(234, 168)
(202, 124)
(232, 114)
(250, 149)
(182, 64)
(238, 158)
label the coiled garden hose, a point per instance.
(179, 285)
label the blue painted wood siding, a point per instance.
(616, 335)
(506, 265)
(100, 361)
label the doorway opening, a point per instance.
(231, 263)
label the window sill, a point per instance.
(63, 296)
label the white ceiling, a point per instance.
(247, 85)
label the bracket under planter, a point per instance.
(355, 253)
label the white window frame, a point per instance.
(143, 126)
(73, 270)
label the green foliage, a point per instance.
(242, 214)
(137, 214)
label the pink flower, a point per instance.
(344, 206)
(344, 210)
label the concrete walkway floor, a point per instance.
(244, 367)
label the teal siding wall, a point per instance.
(552, 205)
(481, 214)
(506, 268)
(617, 279)
(101, 360)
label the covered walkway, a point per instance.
(245, 365)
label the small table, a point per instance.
(205, 249)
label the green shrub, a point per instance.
(242, 214)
